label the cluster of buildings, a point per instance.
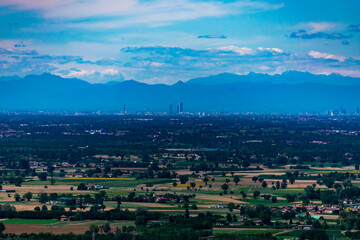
(11, 133)
(179, 108)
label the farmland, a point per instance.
(209, 177)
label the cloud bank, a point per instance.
(305, 35)
(159, 64)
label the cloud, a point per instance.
(332, 36)
(345, 42)
(321, 26)
(104, 75)
(159, 64)
(10, 51)
(211, 36)
(354, 27)
(326, 56)
(185, 63)
(114, 13)
(242, 51)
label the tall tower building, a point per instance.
(124, 109)
(357, 111)
(180, 108)
(171, 108)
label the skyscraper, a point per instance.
(171, 108)
(180, 108)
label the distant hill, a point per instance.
(7, 78)
(53, 93)
(289, 77)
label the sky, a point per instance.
(162, 41)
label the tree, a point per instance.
(205, 179)
(94, 228)
(267, 196)
(357, 167)
(43, 198)
(305, 200)
(329, 182)
(224, 187)
(264, 184)
(187, 213)
(82, 187)
(52, 181)
(141, 220)
(290, 197)
(183, 179)
(229, 218)
(2, 227)
(254, 179)
(314, 234)
(292, 179)
(243, 194)
(17, 197)
(44, 208)
(277, 184)
(28, 196)
(273, 199)
(37, 209)
(192, 185)
(105, 228)
(18, 181)
(118, 201)
(236, 180)
(316, 224)
(42, 176)
(174, 184)
(288, 215)
(256, 194)
(231, 206)
(227, 181)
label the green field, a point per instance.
(30, 221)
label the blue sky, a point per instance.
(161, 41)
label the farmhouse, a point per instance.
(74, 175)
(220, 206)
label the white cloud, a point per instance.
(314, 27)
(129, 12)
(322, 26)
(276, 50)
(240, 50)
(327, 56)
(91, 75)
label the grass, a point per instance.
(296, 233)
(265, 202)
(29, 221)
(111, 183)
(107, 179)
(245, 232)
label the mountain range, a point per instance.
(288, 92)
